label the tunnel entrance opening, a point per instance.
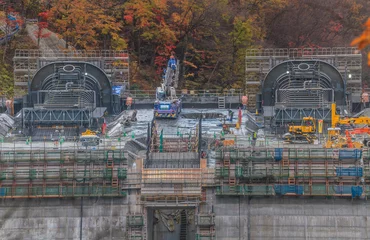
(171, 223)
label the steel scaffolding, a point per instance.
(306, 172)
(27, 61)
(49, 173)
(259, 62)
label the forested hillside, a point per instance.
(209, 37)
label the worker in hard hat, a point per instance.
(172, 63)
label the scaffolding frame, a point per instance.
(258, 62)
(293, 172)
(79, 116)
(49, 173)
(27, 62)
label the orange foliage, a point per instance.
(363, 40)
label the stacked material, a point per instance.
(6, 124)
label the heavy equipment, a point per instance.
(335, 140)
(304, 133)
(336, 120)
(167, 104)
(89, 138)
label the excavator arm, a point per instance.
(355, 131)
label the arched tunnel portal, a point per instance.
(299, 88)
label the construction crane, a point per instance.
(167, 104)
(304, 133)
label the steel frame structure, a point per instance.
(259, 62)
(27, 61)
(284, 115)
(78, 116)
(50, 173)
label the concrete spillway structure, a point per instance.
(260, 193)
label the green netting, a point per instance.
(205, 220)
(225, 172)
(135, 220)
(307, 153)
(2, 176)
(135, 237)
(122, 173)
(222, 172)
(21, 191)
(204, 237)
(107, 173)
(319, 190)
(63, 173)
(238, 172)
(52, 190)
(32, 173)
(37, 191)
(245, 190)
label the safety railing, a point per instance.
(185, 92)
(59, 191)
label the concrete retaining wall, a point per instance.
(60, 219)
(252, 219)
(279, 218)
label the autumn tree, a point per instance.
(312, 23)
(42, 26)
(364, 40)
(83, 24)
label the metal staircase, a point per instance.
(183, 225)
(222, 102)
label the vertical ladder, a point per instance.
(285, 167)
(221, 102)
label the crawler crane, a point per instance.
(167, 104)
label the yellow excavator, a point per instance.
(304, 133)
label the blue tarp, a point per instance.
(116, 90)
(356, 191)
(351, 172)
(278, 154)
(350, 154)
(2, 192)
(342, 189)
(284, 189)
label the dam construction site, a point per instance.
(84, 157)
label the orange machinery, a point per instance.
(349, 134)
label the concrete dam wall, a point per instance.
(235, 218)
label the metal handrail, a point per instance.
(199, 93)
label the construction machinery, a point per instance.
(335, 140)
(89, 138)
(167, 104)
(336, 120)
(304, 133)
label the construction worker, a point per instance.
(164, 74)
(231, 115)
(172, 63)
(254, 139)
